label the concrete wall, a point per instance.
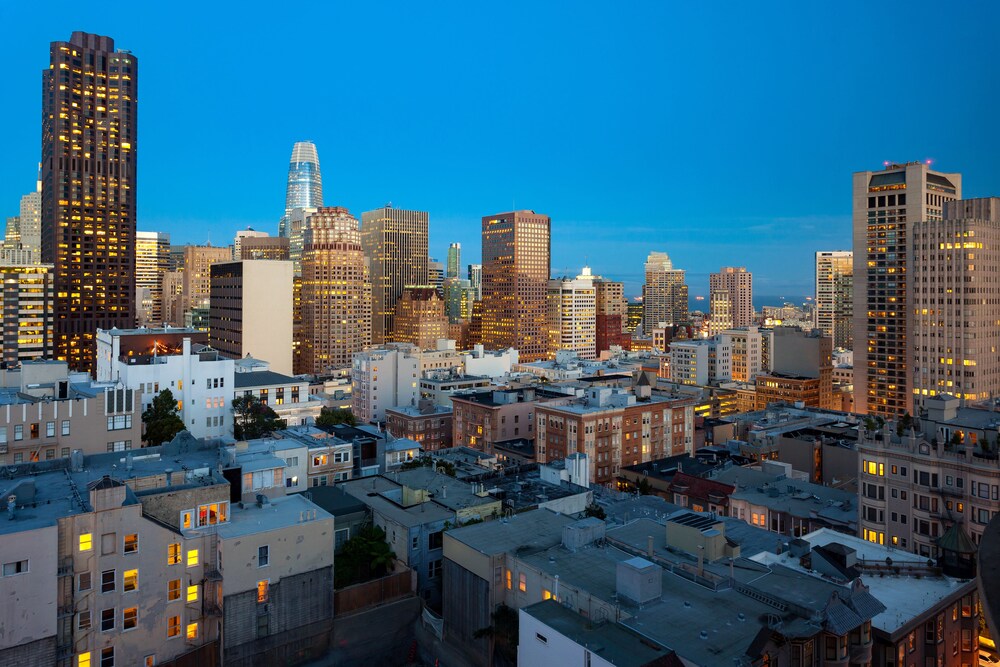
(28, 602)
(557, 649)
(267, 313)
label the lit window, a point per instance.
(83, 660)
(522, 582)
(173, 626)
(262, 590)
(186, 520)
(509, 584)
(131, 543)
(131, 580)
(192, 631)
(173, 554)
(86, 544)
(130, 618)
(192, 558)
(173, 589)
(192, 593)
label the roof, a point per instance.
(957, 540)
(793, 496)
(335, 500)
(537, 529)
(263, 379)
(700, 487)
(277, 514)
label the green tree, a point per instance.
(595, 510)
(333, 416)
(162, 419)
(363, 557)
(254, 419)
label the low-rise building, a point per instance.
(289, 397)
(481, 418)
(440, 386)
(426, 423)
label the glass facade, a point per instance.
(305, 183)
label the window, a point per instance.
(65, 427)
(263, 590)
(291, 461)
(192, 558)
(435, 540)
(131, 543)
(192, 631)
(108, 581)
(434, 569)
(340, 535)
(149, 660)
(522, 582)
(173, 626)
(86, 542)
(83, 582)
(292, 481)
(342, 457)
(107, 619)
(50, 429)
(130, 618)
(108, 656)
(508, 582)
(173, 554)
(319, 460)
(15, 567)
(263, 556)
(19, 432)
(83, 620)
(130, 581)
(541, 638)
(173, 590)
(83, 660)
(209, 515)
(186, 521)
(192, 593)
(34, 431)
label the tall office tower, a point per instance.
(265, 247)
(516, 264)
(28, 302)
(242, 234)
(664, 295)
(634, 312)
(395, 243)
(459, 295)
(835, 295)
(298, 220)
(31, 221)
(720, 307)
(739, 283)
(573, 315)
(420, 317)
(305, 183)
(12, 233)
(250, 311)
(152, 260)
(177, 257)
(886, 203)
(173, 298)
(336, 292)
(610, 320)
(955, 302)
(454, 260)
(435, 274)
(89, 147)
(197, 276)
(476, 279)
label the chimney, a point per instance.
(649, 546)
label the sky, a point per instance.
(724, 134)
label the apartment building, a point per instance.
(289, 397)
(482, 418)
(426, 423)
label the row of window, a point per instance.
(34, 430)
(109, 543)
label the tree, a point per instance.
(595, 510)
(363, 557)
(645, 488)
(162, 419)
(254, 419)
(333, 416)
(503, 633)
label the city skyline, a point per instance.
(656, 122)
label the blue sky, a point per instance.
(722, 133)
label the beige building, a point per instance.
(251, 311)
(750, 352)
(664, 294)
(835, 296)
(241, 237)
(420, 317)
(336, 293)
(28, 312)
(737, 282)
(886, 204)
(401, 367)
(954, 303)
(152, 259)
(573, 315)
(516, 266)
(265, 247)
(720, 311)
(197, 276)
(395, 243)
(173, 298)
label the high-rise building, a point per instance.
(435, 274)
(152, 259)
(886, 204)
(835, 295)
(305, 183)
(454, 260)
(31, 221)
(459, 295)
(739, 283)
(242, 234)
(89, 148)
(395, 243)
(420, 317)
(720, 308)
(476, 279)
(251, 311)
(197, 277)
(177, 257)
(516, 264)
(173, 298)
(336, 292)
(296, 232)
(573, 315)
(265, 247)
(610, 320)
(664, 295)
(955, 302)
(28, 300)
(12, 233)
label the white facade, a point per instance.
(540, 644)
(383, 379)
(491, 364)
(751, 351)
(701, 361)
(200, 379)
(573, 315)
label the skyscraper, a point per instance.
(89, 148)
(886, 204)
(454, 260)
(835, 295)
(610, 320)
(152, 260)
(395, 243)
(738, 282)
(420, 317)
(336, 293)
(305, 183)
(197, 277)
(516, 264)
(476, 279)
(31, 221)
(28, 297)
(572, 315)
(955, 308)
(664, 295)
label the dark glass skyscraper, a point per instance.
(305, 183)
(89, 104)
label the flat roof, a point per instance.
(263, 379)
(279, 513)
(537, 529)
